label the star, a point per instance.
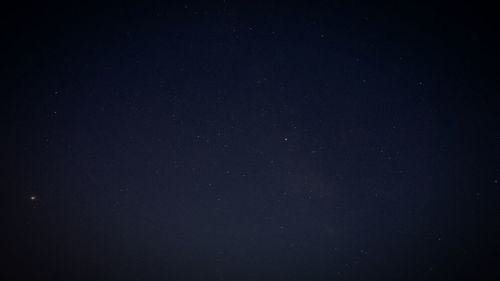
(32, 198)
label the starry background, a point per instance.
(258, 141)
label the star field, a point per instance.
(258, 141)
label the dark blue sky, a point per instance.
(258, 141)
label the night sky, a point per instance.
(250, 141)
